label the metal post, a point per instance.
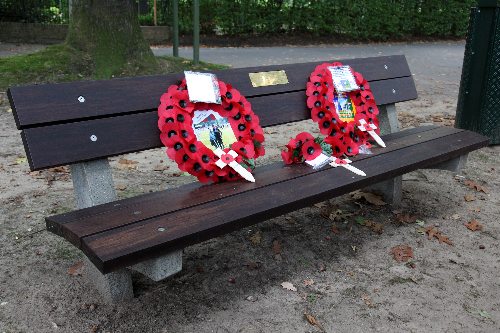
(154, 13)
(175, 27)
(196, 32)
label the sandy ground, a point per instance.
(345, 275)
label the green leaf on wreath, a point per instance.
(325, 147)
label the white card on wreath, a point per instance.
(319, 161)
(202, 87)
(342, 78)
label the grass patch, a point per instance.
(60, 63)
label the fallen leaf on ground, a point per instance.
(252, 265)
(276, 247)
(469, 197)
(369, 197)
(367, 300)
(21, 160)
(127, 164)
(321, 267)
(125, 161)
(474, 225)
(405, 218)
(160, 167)
(433, 232)
(288, 286)
(420, 223)
(313, 321)
(402, 253)
(335, 230)
(320, 205)
(308, 282)
(484, 314)
(76, 269)
(475, 186)
(121, 187)
(335, 215)
(256, 238)
(375, 227)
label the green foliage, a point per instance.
(60, 63)
(34, 11)
(346, 19)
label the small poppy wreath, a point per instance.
(344, 136)
(193, 156)
(304, 147)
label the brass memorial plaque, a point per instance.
(264, 79)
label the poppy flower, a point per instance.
(231, 95)
(175, 123)
(304, 136)
(245, 148)
(325, 125)
(311, 150)
(180, 99)
(287, 156)
(337, 145)
(350, 147)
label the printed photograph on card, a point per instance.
(346, 110)
(342, 78)
(213, 130)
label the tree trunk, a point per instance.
(109, 31)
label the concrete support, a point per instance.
(93, 185)
(455, 165)
(159, 268)
(388, 119)
(389, 189)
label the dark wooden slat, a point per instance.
(61, 144)
(78, 224)
(125, 246)
(39, 104)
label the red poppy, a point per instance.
(311, 150)
(326, 124)
(343, 136)
(175, 123)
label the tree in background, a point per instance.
(109, 32)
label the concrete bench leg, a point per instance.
(455, 165)
(160, 268)
(389, 189)
(114, 287)
(93, 185)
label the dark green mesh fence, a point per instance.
(478, 107)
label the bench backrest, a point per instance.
(80, 121)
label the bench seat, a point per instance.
(81, 124)
(125, 232)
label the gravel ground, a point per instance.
(343, 269)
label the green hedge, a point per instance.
(356, 19)
(352, 19)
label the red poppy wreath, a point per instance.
(344, 117)
(193, 131)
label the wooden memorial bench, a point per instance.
(83, 123)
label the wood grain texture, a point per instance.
(81, 223)
(61, 144)
(137, 237)
(35, 105)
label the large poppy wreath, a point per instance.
(339, 124)
(175, 122)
